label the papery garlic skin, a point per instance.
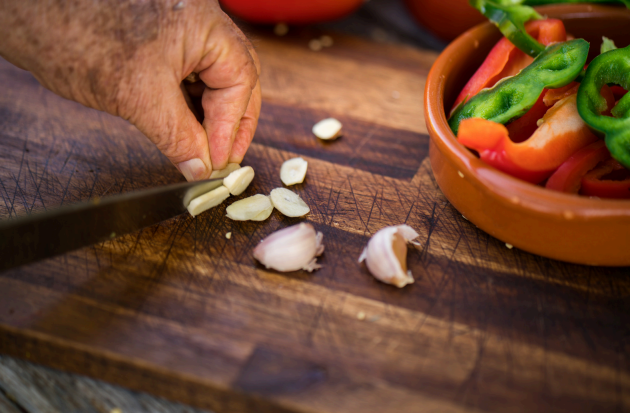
(386, 255)
(254, 208)
(291, 249)
(238, 181)
(293, 171)
(208, 200)
(222, 173)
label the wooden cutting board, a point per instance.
(180, 311)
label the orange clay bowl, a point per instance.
(552, 224)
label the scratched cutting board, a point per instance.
(180, 311)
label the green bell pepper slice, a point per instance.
(511, 19)
(511, 97)
(612, 67)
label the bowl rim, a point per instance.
(500, 186)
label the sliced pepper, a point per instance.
(510, 98)
(608, 180)
(510, 18)
(612, 67)
(561, 134)
(506, 60)
(488, 138)
(568, 177)
(522, 128)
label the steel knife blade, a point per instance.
(42, 235)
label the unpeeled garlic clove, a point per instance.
(291, 249)
(386, 255)
(253, 208)
(293, 171)
(222, 173)
(238, 181)
(327, 129)
(288, 203)
(208, 200)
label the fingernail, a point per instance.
(193, 169)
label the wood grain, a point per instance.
(180, 311)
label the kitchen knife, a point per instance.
(35, 237)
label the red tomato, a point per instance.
(290, 11)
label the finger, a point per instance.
(231, 79)
(247, 129)
(168, 122)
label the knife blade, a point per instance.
(42, 235)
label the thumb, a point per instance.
(169, 123)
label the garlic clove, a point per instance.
(288, 202)
(254, 208)
(386, 255)
(291, 249)
(208, 200)
(238, 181)
(231, 167)
(293, 171)
(327, 129)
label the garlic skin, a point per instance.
(291, 249)
(293, 171)
(222, 173)
(386, 255)
(327, 129)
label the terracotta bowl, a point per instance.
(565, 227)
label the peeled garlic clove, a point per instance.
(293, 171)
(288, 202)
(254, 208)
(291, 249)
(327, 129)
(208, 200)
(231, 167)
(386, 255)
(238, 181)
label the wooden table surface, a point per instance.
(179, 311)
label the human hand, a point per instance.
(129, 57)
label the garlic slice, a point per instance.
(291, 249)
(238, 181)
(208, 200)
(327, 129)
(386, 255)
(254, 208)
(293, 171)
(288, 202)
(231, 167)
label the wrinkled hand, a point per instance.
(129, 57)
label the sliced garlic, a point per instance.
(208, 200)
(288, 202)
(254, 208)
(231, 167)
(291, 249)
(386, 255)
(293, 171)
(327, 129)
(238, 181)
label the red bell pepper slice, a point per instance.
(506, 60)
(491, 148)
(522, 128)
(568, 177)
(608, 180)
(562, 133)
